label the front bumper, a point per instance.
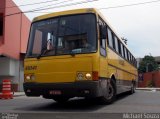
(75, 89)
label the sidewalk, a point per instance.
(16, 94)
(149, 89)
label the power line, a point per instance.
(135, 4)
(65, 5)
(23, 5)
(52, 4)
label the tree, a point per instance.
(147, 64)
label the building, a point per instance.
(14, 30)
(149, 79)
(157, 59)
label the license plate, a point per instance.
(55, 92)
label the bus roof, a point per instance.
(67, 12)
(77, 11)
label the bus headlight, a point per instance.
(84, 76)
(80, 76)
(32, 77)
(88, 76)
(29, 77)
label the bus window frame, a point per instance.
(96, 34)
(102, 36)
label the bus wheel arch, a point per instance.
(114, 81)
(111, 91)
(113, 78)
(133, 87)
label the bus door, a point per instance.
(103, 49)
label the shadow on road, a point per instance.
(75, 105)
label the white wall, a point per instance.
(12, 69)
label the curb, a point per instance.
(17, 94)
(148, 89)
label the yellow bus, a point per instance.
(76, 53)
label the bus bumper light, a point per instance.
(86, 91)
(28, 91)
(88, 76)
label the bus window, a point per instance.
(128, 56)
(125, 52)
(116, 44)
(121, 48)
(37, 43)
(132, 59)
(66, 31)
(113, 40)
(103, 36)
(110, 38)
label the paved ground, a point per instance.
(140, 102)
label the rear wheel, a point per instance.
(61, 99)
(111, 93)
(133, 87)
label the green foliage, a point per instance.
(147, 64)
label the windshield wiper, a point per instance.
(42, 53)
(72, 53)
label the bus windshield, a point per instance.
(63, 35)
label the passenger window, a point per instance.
(110, 38)
(113, 40)
(125, 53)
(128, 56)
(116, 44)
(122, 50)
(132, 60)
(119, 47)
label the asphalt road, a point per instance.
(140, 102)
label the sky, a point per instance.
(139, 24)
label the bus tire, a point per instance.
(132, 88)
(61, 99)
(111, 93)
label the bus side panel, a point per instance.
(123, 71)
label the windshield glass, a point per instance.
(63, 35)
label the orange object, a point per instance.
(6, 90)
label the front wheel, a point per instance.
(111, 93)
